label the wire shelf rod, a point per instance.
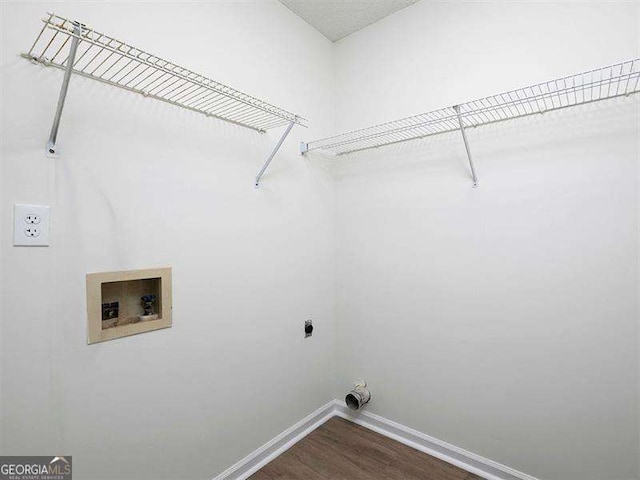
(620, 79)
(120, 64)
(76, 49)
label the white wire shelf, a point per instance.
(106, 59)
(600, 84)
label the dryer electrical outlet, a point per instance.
(308, 328)
(30, 225)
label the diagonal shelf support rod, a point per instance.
(466, 145)
(53, 136)
(273, 153)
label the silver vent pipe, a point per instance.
(359, 396)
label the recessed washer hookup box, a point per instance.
(126, 303)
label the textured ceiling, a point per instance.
(336, 19)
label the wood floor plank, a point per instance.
(342, 450)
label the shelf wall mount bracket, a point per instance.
(51, 150)
(273, 153)
(466, 145)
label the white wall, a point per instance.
(2, 223)
(502, 319)
(140, 184)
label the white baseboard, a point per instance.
(278, 445)
(468, 461)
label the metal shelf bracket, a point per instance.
(51, 150)
(273, 153)
(466, 145)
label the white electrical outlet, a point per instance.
(30, 225)
(32, 218)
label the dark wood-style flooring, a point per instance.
(341, 450)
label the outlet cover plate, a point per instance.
(30, 225)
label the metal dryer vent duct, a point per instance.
(359, 396)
